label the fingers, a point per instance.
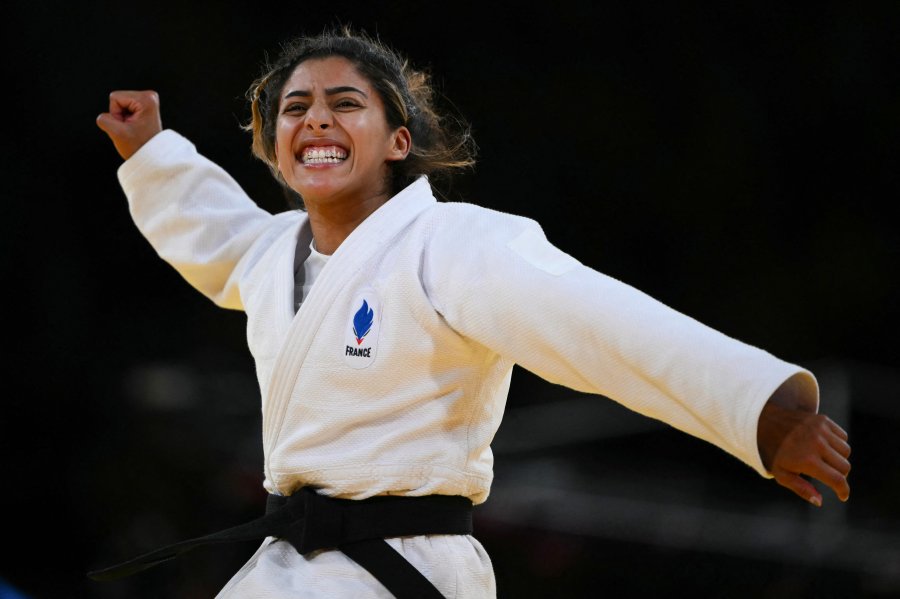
(833, 477)
(836, 455)
(841, 433)
(836, 461)
(128, 105)
(830, 468)
(823, 472)
(840, 446)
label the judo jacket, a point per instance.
(392, 376)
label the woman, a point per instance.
(388, 374)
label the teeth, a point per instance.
(319, 155)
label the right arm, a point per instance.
(191, 211)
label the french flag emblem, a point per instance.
(363, 327)
(362, 322)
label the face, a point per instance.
(332, 141)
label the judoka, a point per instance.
(385, 324)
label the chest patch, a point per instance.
(361, 329)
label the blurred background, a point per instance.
(736, 162)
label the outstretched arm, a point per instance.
(133, 119)
(577, 327)
(794, 441)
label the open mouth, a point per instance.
(323, 155)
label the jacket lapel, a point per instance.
(367, 240)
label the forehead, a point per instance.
(315, 74)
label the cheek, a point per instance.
(282, 143)
(372, 141)
(281, 136)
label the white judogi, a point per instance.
(392, 376)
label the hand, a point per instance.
(793, 442)
(133, 119)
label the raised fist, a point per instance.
(133, 118)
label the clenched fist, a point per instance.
(133, 118)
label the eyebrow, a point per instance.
(330, 91)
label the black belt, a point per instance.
(310, 521)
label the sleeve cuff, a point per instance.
(156, 147)
(804, 395)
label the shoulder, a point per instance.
(283, 225)
(469, 240)
(278, 234)
(465, 240)
(449, 220)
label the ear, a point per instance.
(401, 143)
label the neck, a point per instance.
(332, 223)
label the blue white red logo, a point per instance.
(363, 326)
(362, 322)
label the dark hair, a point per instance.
(440, 145)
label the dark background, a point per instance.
(736, 162)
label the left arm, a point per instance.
(510, 290)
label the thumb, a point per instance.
(799, 485)
(109, 125)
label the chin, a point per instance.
(318, 193)
(316, 185)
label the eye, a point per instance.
(347, 103)
(294, 108)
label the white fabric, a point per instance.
(450, 297)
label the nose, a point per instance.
(318, 117)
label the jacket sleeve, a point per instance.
(194, 214)
(509, 289)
